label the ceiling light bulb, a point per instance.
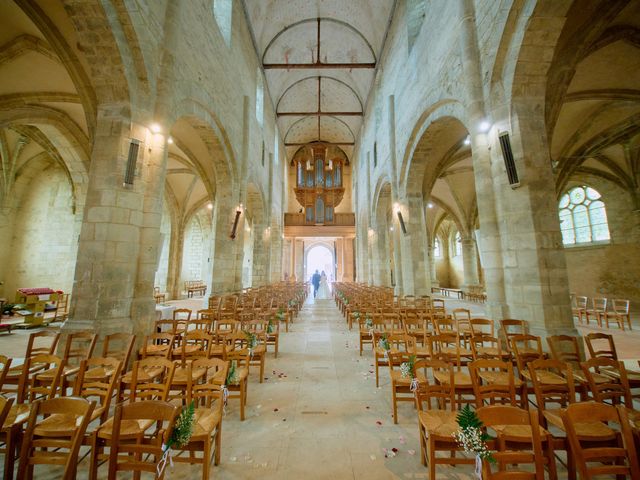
(170, 141)
(430, 205)
(484, 126)
(155, 128)
(210, 206)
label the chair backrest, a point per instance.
(42, 343)
(493, 381)
(143, 454)
(546, 392)
(5, 407)
(564, 348)
(31, 389)
(596, 345)
(121, 350)
(479, 327)
(5, 364)
(615, 388)
(619, 460)
(38, 441)
(621, 306)
(526, 348)
(195, 344)
(581, 302)
(447, 344)
(600, 304)
(443, 325)
(155, 388)
(480, 345)
(462, 315)
(79, 345)
(507, 415)
(510, 327)
(97, 378)
(205, 393)
(158, 345)
(442, 392)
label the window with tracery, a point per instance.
(457, 244)
(583, 216)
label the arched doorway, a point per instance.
(320, 257)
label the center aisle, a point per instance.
(318, 413)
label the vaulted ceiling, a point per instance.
(320, 59)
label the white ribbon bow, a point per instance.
(478, 471)
(414, 385)
(166, 456)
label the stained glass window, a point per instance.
(583, 217)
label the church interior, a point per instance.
(381, 239)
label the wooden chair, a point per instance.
(62, 308)
(448, 343)
(145, 452)
(525, 349)
(493, 382)
(158, 345)
(619, 458)
(31, 389)
(462, 318)
(437, 414)
(40, 343)
(273, 333)
(240, 361)
(194, 344)
(597, 350)
(416, 326)
(579, 309)
(56, 439)
(619, 314)
(207, 431)
(616, 390)
(78, 346)
(484, 346)
(401, 390)
(5, 365)
(509, 328)
(97, 379)
(481, 327)
(181, 319)
(11, 434)
(143, 383)
(122, 348)
(519, 441)
(597, 310)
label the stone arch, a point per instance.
(319, 244)
(220, 169)
(411, 169)
(383, 182)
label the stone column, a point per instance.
(261, 249)
(490, 236)
(470, 261)
(119, 241)
(300, 261)
(277, 247)
(228, 252)
(432, 268)
(293, 258)
(176, 254)
(415, 267)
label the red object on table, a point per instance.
(36, 291)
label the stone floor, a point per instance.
(317, 415)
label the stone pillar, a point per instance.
(228, 252)
(416, 276)
(293, 258)
(261, 249)
(119, 241)
(470, 261)
(176, 254)
(275, 257)
(432, 267)
(490, 236)
(300, 261)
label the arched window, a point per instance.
(436, 248)
(583, 217)
(222, 10)
(457, 244)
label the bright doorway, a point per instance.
(320, 257)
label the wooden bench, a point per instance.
(448, 292)
(195, 286)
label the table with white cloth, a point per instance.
(166, 311)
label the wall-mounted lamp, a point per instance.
(401, 220)
(210, 206)
(235, 222)
(429, 205)
(170, 140)
(484, 126)
(155, 128)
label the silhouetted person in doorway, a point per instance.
(315, 280)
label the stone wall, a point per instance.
(45, 232)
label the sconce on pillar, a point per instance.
(235, 223)
(401, 220)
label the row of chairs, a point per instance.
(602, 310)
